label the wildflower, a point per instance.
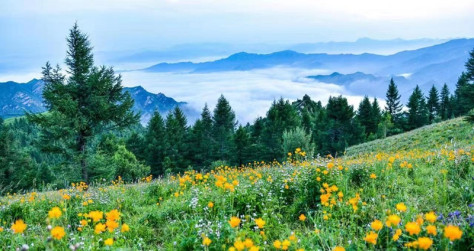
(431, 217)
(54, 213)
(1, 229)
(371, 238)
(113, 215)
(431, 229)
(424, 243)
(401, 207)
(234, 222)
(260, 223)
(373, 176)
(99, 228)
(111, 225)
(452, 232)
(376, 225)
(330, 165)
(248, 243)
(18, 227)
(96, 215)
(302, 217)
(412, 228)
(109, 242)
(210, 204)
(277, 244)
(285, 244)
(57, 233)
(254, 248)
(393, 220)
(83, 223)
(293, 237)
(125, 228)
(339, 248)
(66, 197)
(206, 241)
(239, 245)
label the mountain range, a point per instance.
(433, 65)
(16, 98)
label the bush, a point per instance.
(297, 138)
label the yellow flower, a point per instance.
(401, 207)
(330, 165)
(371, 238)
(248, 243)
(431, 229)
(260, 223)
(66, 197)
(302, 217)
(83, 223)
(19, 227)
(452, 232)
(1, 229)
(376, 225)
(111, 225)
(113, 215)
(206, 241)
(109, 242)
(57, 233)
(54, 213)
(393, 220)
(254, 248)
(210, 204)
(285, 244)
(412, 228)
(239, 245)
(431, 217)
(277, 244)
(373, 176)
(234, 222)
(99, 228)
(96, 215)
(339, 248)
(125, 228)
(424, 243)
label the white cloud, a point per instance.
(250, 93)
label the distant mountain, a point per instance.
(16, 98)
(437, 64)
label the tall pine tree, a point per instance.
(155, 144)
(87, 102)
(433, 104)
(417, 111)
(223, 125)
(393, 106)
(444, 104)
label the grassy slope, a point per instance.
(174, 213)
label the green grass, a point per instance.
(172, 213)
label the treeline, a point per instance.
(90, 134)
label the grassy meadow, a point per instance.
(414, 190)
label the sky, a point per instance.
(31, 26)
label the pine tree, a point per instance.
(365, 116)
(223, 124)
(464, 95)
(393, 106)
(417, 111)
(176, 141)
(444, 104)
(242, 143)
(87, 103)
(432, 104)
(155, 144)
(201, 141)
(470, 66)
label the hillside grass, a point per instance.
(424, 177)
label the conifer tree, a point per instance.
(223, 125)
(155, 144)
(393, 105)
(87, 102)
(433, 104)
(444, 104)
(242, 143)
(176, 141)
(417, 111)
(365, 116)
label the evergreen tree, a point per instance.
(393, 106)
(445, 104)
(176, 141)
(464, 95)
(417, 111)
(202, 141)
(155, 144)
(86, 103)
(365, 116)
(432, 104)
(242, 143)
(223, 124)
(280, 117)
(470, 66)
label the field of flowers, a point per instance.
(410, 191)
